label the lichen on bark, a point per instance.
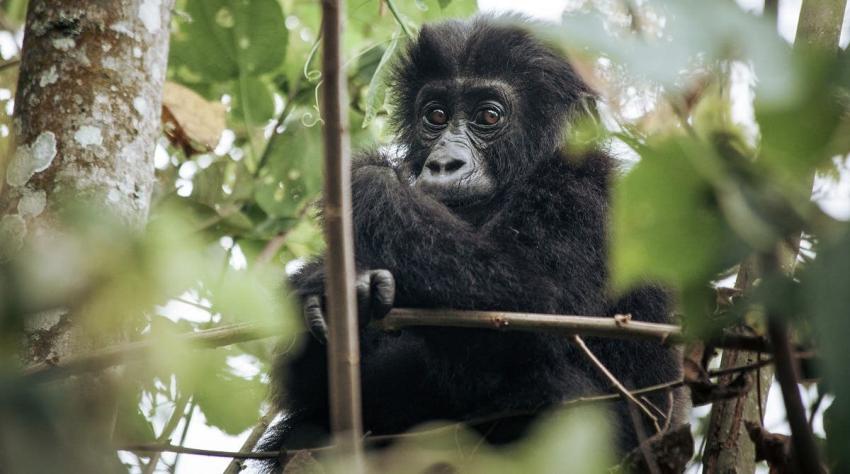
(87, 109)
(87, 115)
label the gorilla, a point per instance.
(486, 209)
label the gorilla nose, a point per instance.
(443, 165)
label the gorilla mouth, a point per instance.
(461, 192)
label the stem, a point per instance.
(802, 440)
(397, 16)
(167, 430)
(599, 326)
(343, 343)
(236, 466)
(621, 389)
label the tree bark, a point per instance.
(87, 114)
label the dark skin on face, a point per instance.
(459, 120)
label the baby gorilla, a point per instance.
(486, 210)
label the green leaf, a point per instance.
(293, 173)
(260, 35)
(254, 101)
(132, 426)
(378, 86)
(826, 285)
(229, 402)
(666, 220)
(799, 131)
(225, 37)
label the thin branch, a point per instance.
(167, 430)
(398, 19)
(236, 466)
(274, 245)
(10, 63)
(598, 326)
(605, 326)
(380, 439)
(116, 355)
(616, 382)
(191, 412)
(802, 439)
(342, 341)
(170, 448)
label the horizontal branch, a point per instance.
(170, 448)
(380, 439)
(600, 326)
(121, 354)
(620, 327)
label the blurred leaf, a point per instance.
(694, 33)
(132, 426)
(225, 37)
(293, 173)
(215, 395)
(799, 131)
(826, 284)
(254, 101)
(378, 86)
(666, 223)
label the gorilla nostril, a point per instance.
(433, 167)
(454, 165)
(444, 166)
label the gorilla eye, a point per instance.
(437, 117)
(488, 117)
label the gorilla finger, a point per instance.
(314, 318)
(382, 292)
(362, 286)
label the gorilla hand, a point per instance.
(375, 295)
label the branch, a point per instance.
(170, 448)
(622, 390)
(342, 341)
(802, 440)
(236, 466)
(598, 326)
(380, 439)
(120, 354)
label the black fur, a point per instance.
(539, 245)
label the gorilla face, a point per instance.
(460, 120)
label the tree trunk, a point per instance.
(87, 114)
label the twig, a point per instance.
(342, 341)
(616, 382)
(245, 454)
(170, 448)
(115, 355)
(170, 426)
(802, 440)
(398, 19)
(605, 326)
(237, 464)
(10, 63)
(645, 449)
(602, 326)
(189, 415)
(599, 326)
(274, 245)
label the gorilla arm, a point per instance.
(437, 259)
